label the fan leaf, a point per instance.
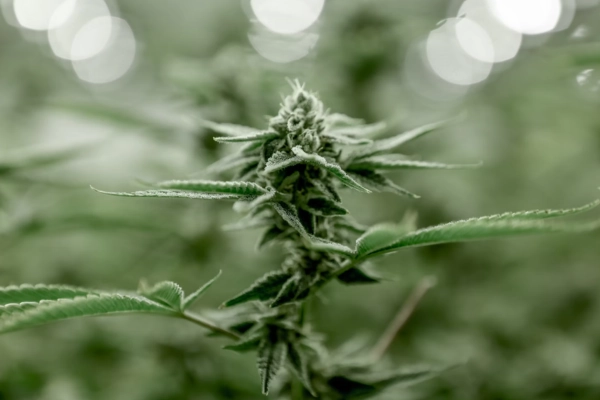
(233, 187)
(36, 293)
(394, 142)
(260, 136)
(174, 194)
(24, 315)
(192, 298)
(481, 228)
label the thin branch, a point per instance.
(198, 320)
(402, 317)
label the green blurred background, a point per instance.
(524, 314)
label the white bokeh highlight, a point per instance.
(114, 61)
(63, 38)
(505, 42)
(530, 17)
(289, 16)
(447, 57)
(41, 15)
(282, 48)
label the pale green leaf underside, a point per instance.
(252, 137)
(281, 161)
(383, 163)
(345, 140)
(230, 129)
(482, 228)
(359, 130)
(541, 214)
(206, 186)
(290, 215)
(393, 142)
(24, 315)
(35, 293)
(176, 194)
(342, 119)
(323, 245)
(379, 236)
(167, 293)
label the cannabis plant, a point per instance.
(288, 178)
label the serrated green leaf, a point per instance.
(265, 288)
(166, 293)
(249, 343)
(393, 142)
(261, 136)
(324, 207)
(379, 183)
(357, 276)
(542, 214)
(299, 363)
(230, 129)
(359, 130)
(173, 194)
(342, 119)
(344, 140)
(325, 246)
(189, 300)
(269, 235)
(290, 215)
(24, 315)
(289, 291)
(227, 187)
(482, 228)
(330, 167)
(387, 163)
(271, 355)
(281, 160)
(382, 235)
(36, 293)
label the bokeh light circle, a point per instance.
(289, 16)
(450, 61)
(114, 61)
(64, 40)
(41, 15)
(531, 17)
(506, 42)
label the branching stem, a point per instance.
(198, 320)
(402, 317)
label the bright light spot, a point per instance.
(280, 48)
(505, 41)
(287, 16)
(474, 40)
(589, 80)
(566, 16)
(92, 38)
(450, 61)
(114, 61)
(63, 39)
(582, 31)
(530, 17)
(41, 15)
(422, 80)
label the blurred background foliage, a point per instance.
(524, 314)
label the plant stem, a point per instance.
(402, 317)
(198, 320)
